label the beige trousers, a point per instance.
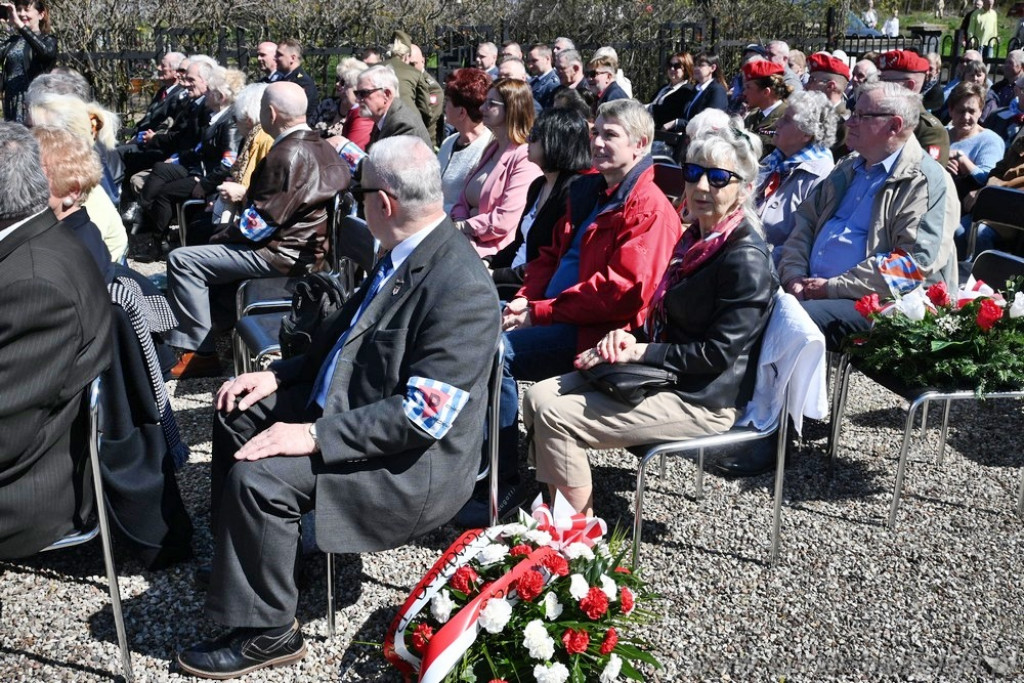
(565, 418)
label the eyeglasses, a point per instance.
(856, 116)
(494, 103)
(363, 94)
(594, 72)
(717, 177)
(359, 192)
(675, 65)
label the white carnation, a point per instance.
(552, 608)
(913, 305)
(1017, 307)
(603, 550)
(495, 552)
(608, 587)
(611, 669)
(441, 606)
(514, 529)
(555, 673)
(538, 537)
(537, 641)
(578, 586)
(576, 550)
(495, 615)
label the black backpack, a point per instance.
(316, 296)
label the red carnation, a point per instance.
(595, 603)
(867, 305)
(575, 641)
(529, 585)
(421, 635)
(988, 314)
(939, 295)
(626, 600)
(622, 570)
(556, 564)
(521, 549)
(464, 579)
(611, 639)
(498, 680)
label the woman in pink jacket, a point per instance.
(495, 194)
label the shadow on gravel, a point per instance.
(363, 659)
(56, 663)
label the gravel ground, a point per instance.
(937, 599)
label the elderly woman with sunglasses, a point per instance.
(801, 160)
(703, 324)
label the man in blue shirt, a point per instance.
(882, 222)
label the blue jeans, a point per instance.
(531, 354)
(986, 239)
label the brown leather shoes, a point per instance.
(192, 365)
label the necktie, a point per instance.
(323, 378)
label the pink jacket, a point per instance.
(502, 199)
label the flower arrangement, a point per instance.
(928, 338)
(545, 599)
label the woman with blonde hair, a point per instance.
(494, 195)
(95, 125)
(72, 169)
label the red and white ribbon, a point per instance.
(565, 525)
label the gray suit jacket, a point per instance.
(55, 326)
(400, 120)
(385, 480)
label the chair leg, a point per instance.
(1020, 496)
(700, 474)
(904, 450)
(945, 430)
(838, 407)
(330, 595)
(664, 459)
(638, 506)
(780, 473)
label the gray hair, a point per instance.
(572, 45)
(814, 115)
(349, 69)
(74, 114)
(202, 59)
(1016, 56)
(175, 58)
(488, 47)
(24, 190)
(632, 116)
(570, 56)
(898, 101)
(409, 170)
(68, 82)
(247, 104)
(382, 76)
(733, 146)
(871, 68)
(708, 121)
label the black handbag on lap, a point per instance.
(629, 383)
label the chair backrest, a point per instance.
(493, 411)
(1002, 209)
(995, 268)
(791, 368)
(669, 179)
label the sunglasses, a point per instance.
(363, 94)
(675, 65)
(593, 73)
(717, 177)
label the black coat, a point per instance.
(308, 85)
(673, 107)
(715, 320)
(186, 131)
(712, 97)
(219, 146)
(165, 106)
(543, 225)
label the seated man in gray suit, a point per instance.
(378, 426)
(54, 340)
(377, 94)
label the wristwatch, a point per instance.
(312, 435)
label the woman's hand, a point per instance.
(516, 315)
(11, 14)
(618, 346)
(953, 165)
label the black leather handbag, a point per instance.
(629, 383)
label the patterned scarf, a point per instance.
(776, 167)
(238, 168)
(689, 255)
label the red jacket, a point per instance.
(622, 257)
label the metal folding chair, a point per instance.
(788, 322)
(101, 528)
(1002, 209)
(994, 267)
(489, 469)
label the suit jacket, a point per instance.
(54, 339)
(764, 126)
(166, 104)
(544, 87)
(383, 480)
(400, 120)
(711, 97)
(673, 107)
(186, 131)
(219, 145)
(308, 85)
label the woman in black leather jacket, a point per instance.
(704, 324)
(198, 172)
(29, 51)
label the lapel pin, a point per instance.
(398, 287)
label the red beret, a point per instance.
(903, 60)
(761, 68)
(823, 61)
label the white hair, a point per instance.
(409, 170)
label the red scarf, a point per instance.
(689, 255)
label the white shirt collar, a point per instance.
(6, 232)
(288, 131)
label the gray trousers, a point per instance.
(255, 512)
(190, 272)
